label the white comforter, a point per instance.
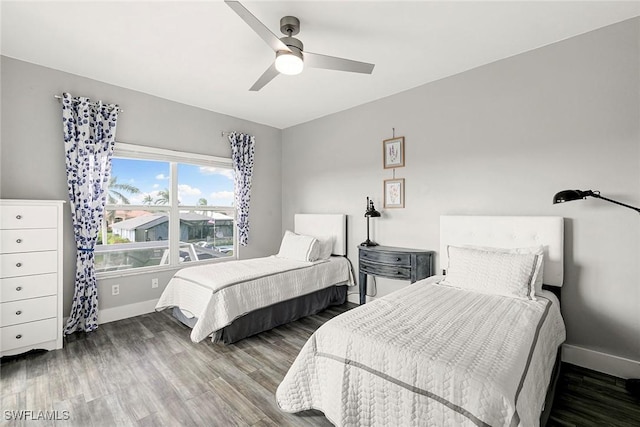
(216, 294)
(429, 355)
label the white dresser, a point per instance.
(31, 242)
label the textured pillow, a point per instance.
(490, 271)
(325, 245)
(298, 247)
(536, 250)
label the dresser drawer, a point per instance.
(388, 271)
(16, 288)
(28, 217)
(28, 263)
(28, 310)
(27, 334)
(387, 257)
(28, 240)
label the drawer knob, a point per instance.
(19, 288)
(18, 336)
(18, 313)
(19, 241)
(398, 272)
(398, 259)
(18, 216)
(19, 265)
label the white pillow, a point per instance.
(298, 247)
(536, 250)
(325, 245)
(489, 271)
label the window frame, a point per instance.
(172, 157)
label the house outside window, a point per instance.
(164, 209)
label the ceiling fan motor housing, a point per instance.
(290, 62)
(294, 43)
(295, 51)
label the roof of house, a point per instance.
(155, 219)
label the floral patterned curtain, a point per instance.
(89, 139)
(242, 152)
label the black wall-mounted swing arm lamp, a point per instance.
(632, 384)
(570, 195)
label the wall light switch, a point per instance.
(154, 283)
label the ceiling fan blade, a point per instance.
(257, 26)
(265, 78)
(316, 60)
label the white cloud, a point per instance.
(227, 195)
(161, 176)
(221, 198)
(187, 190)
(210, 170)
(156, 185)
(138, 199)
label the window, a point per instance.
(166, 208)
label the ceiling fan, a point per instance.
(290, 54)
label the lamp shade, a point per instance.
(372, 213)
(570, 195)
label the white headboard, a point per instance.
(508, 232)
(323, 225)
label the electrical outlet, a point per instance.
(115, 289)
(154, 283)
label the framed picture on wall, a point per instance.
(394, 193)
(393, 152)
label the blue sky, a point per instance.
(194, 182)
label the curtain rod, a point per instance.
(59, 98)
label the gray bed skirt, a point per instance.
(277, 314)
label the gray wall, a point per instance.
(501, 139)
(33, 165)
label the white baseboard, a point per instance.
(601, 362)
(354, 298)
(125, 311)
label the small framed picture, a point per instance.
(393, 152)
(394, 193)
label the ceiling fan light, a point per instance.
(289, 63)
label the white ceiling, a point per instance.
(202, 54)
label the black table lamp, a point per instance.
(570, 195)
(633, 384)
(370, 213)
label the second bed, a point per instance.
(232, 300)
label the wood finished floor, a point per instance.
(145, 371)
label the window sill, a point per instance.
(159, 269)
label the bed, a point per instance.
(442, 351)
(232, 300)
